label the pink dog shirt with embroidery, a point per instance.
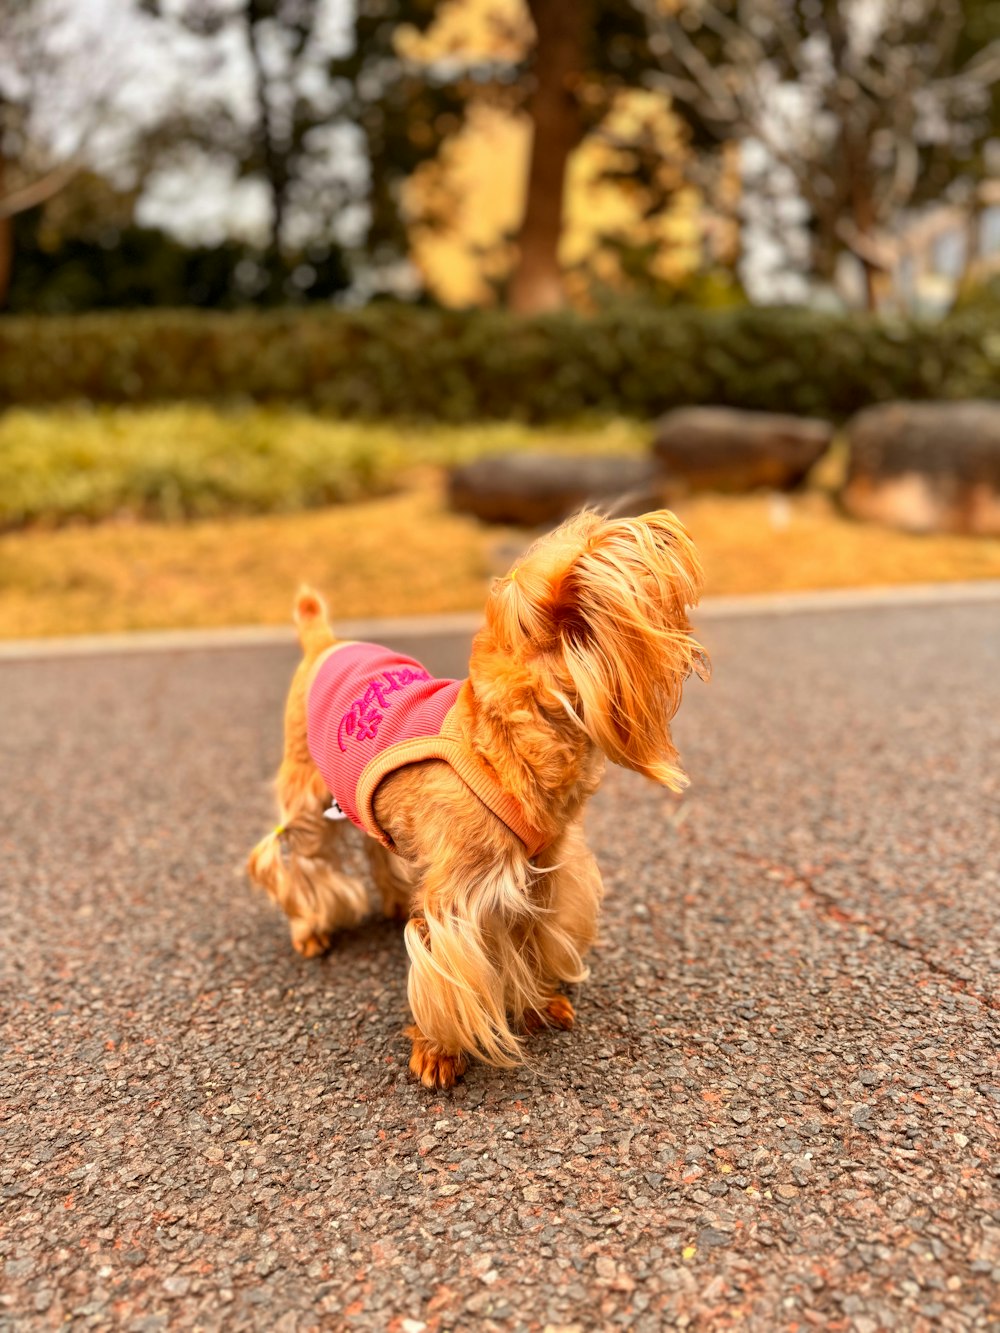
(371, 711)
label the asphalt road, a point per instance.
(778, 1110)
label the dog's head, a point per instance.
(592, 623)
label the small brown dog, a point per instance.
(478, 839)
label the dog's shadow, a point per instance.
(353, 1001)
(375, 946)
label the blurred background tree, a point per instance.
(285, 136)
(596, 177)
(864, 111)
(33, 85)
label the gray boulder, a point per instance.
(535, 490)
(725, 449)
(926, 467)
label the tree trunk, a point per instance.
(854, 141)
(864, 221)
(6, 247)
(273, 158)
(728, 203)
(537, 281)
(855, 205)
(973, 246)
(6, 259)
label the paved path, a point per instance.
(779, 1110)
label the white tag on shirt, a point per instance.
(333, 811)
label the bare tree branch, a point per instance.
(39, 191)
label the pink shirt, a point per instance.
(370, 711)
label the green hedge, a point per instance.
(397, 361)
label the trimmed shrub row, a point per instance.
(397, 361)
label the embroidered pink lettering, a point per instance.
(362, 719)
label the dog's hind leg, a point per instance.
(299, 863)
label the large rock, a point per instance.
(534, 490)
(724, 449)
(926, 467)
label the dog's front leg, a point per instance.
(393, 877)
(441, 1029)
(467, 967)
(570, 890)
(434, 1066)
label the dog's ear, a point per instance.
(619, 609)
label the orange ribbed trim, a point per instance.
(476, 775)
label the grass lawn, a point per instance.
(403, 553)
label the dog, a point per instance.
(476, 833)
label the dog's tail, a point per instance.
(312, 620)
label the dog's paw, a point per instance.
(558, 1013)
(308, 941)
(433, 1067)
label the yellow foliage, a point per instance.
(406, 555)
(464, 206)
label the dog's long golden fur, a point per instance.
(583, 655)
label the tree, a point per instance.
(67, 73)
(564, 65)
(339, 120)
(404, 108)
(557, 128)
(868, 109)
(281, 137)
(84, 250)
(585, 53)
(324, 122)
(860, 111)
(31, 170)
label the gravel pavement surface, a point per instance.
(778, 1109)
